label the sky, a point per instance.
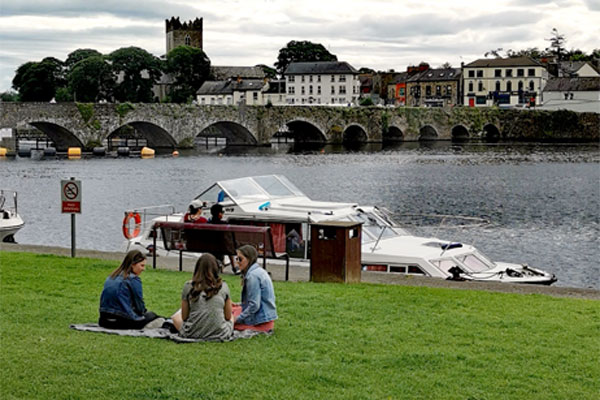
(379, 34)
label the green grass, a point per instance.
(331, 341)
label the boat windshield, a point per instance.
(373, 225)
(259, 188)
(475, 262)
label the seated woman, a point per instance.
(257, 311)
(194, 213)
(205, 304)
(122, 301)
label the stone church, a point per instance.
(187, 33)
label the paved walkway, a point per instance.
(300, 272)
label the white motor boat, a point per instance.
(10, 221)
(273, 200)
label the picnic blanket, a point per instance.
(163, 333)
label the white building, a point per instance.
(575, 94)
(503, 81)
(321, 82)
(230, 92)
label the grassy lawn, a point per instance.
(331, 341)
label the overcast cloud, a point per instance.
(380, 34)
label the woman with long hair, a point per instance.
(257, 311)
(122, 301)
(205, 304)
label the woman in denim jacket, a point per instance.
(258, 310)
(122, 301)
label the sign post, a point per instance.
(70, 192)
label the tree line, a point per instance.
(129, 74)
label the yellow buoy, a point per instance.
(74, 153)
(175, 153)
(147, 152)
(3, 151)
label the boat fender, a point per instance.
(137, 228)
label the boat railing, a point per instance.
(148, 214)
(3, 196)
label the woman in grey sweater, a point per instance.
(205, 304)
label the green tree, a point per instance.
(137, 72)
(91, 80)
(270, 73)
(366, 70)
(557, 44)
(80, 54)
(190, 67)
(38, 81)
(298, 51)
(9, 96)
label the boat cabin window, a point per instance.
(473, 262)
(214, 195)
(275, 187)
(415, 269)
(444, 265)
(398, 269)
(244, 188)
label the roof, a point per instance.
(320, 67)
(567, 68)
(229, 86)
(504, 62)
(221, 73)
(573, 84)
(436, 75)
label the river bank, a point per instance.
(300, 273)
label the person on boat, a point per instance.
(194, 213)
(257, 310)
(216, 212)
(205, 304)
(122, 301)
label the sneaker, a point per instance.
(157, 323)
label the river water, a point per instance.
(542, 201)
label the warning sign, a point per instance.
(70, 196)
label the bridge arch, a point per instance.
(354, 133)
(156, 136)
(61, 136)
(428, 132)
(460, 132)
(235, 133)
(491, 132)
(305, 131)
(393, 134)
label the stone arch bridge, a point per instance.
(176, 126)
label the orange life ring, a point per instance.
(137, 227)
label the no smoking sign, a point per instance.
(70, 192)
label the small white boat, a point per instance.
(10, 221)
(273, 200)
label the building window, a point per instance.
(470, 86)
(291, 90)
(427, 90)
(438, 90)
(520, 72)
(303, 100)
(188, 40)
(310, 78)
(333, 90)
(520, 85)
(498, 86)
(449, 90)
(497, 73)
(302, 78)
(332, 78)
(319, 89)
(471, 74)
(303, 92)
(291, 78)
(508, 72)
(332, 100)
(480, 87)
(531, 72)
(531, 86)
(342, 89)
(342, 78)
(509, 86)
(355, 90)
(255, 96)
(318, 78)
(203, 101)
(480, 73)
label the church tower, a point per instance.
(188, 33)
